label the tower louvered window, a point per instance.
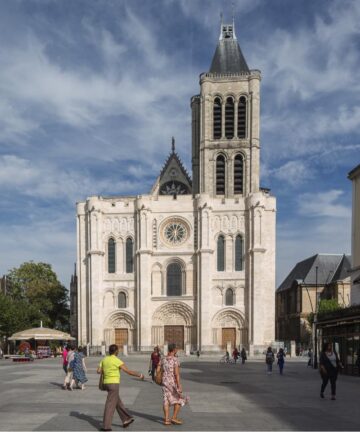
(229, 118)
(111, 255)
(238, 174)
(221, 253)
(242, 117)
(129, 255)
(217, 118)
(229, 297)
(220, 175)
(238, 253)
(174, 280)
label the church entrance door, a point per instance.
(174, 334)
(228, 335)
(121, 337)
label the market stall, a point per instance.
(41, 337)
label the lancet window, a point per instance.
(217, 118)
(242, 117)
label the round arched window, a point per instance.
(174, 279)
(122, 300)
(229, 297)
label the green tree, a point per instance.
(37, 284)
(328, 305)
(325, 305)
(17, 315)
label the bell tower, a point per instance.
(226, 123)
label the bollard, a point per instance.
(125, 350)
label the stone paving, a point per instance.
(223, 397)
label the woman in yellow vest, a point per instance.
(110, 367)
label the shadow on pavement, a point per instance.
(153, 418)
(56, 384)
(93, 422)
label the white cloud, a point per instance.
(294, 173)
(308, 61)
(22, 176)
(50, 241)
(324, 204)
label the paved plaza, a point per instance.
(223, 397)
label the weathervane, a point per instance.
(173, 144)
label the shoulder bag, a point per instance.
(101, 382)
(158, 376)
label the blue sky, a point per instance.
(92, 91)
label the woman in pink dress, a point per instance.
(171, 386)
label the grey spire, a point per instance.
(228, 58)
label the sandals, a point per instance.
(176, 421)
(167, 422)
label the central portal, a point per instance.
(228, 336)
(121, 337)
(174, 334)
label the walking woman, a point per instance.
(79, 368)
(69, 372)
(110, 367)
(171, 386)
(329, 368)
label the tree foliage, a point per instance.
(328, 305)
(34, 294)
(325, 305)
(17, 315)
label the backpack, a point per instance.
(269, 357)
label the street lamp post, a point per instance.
(315, 320)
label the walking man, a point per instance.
(154, 361)
(269, 360)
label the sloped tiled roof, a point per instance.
(328, 266)
(228, 58)
(354, 172)
(342, 272)
(174, 155)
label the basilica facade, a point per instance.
(193, 261)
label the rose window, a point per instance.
(175, 232)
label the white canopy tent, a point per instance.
(41, 333)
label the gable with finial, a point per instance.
(173, 178)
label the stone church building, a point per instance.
(193, 261)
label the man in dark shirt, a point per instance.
(154, 361)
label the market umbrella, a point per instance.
(41, 333)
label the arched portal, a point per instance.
(229, 327)
(119, 329)
(174, 322)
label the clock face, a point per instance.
(175, 232)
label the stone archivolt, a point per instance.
(174, 313)
(120, 320)
(229, 318)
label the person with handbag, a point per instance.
(168, 374)
(109, 370)
(329, 367)
(69, 372)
